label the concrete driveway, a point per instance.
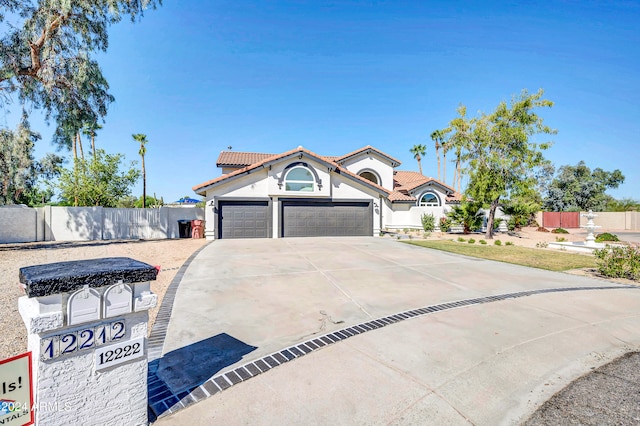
(288, 332)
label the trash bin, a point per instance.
(184, 228)
(197, 228)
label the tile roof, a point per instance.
(410, 180)
(397, 196)
(267, 158)
(233, 158)
(403, 181)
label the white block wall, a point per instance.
(18, 224)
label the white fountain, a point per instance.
(589, 245)
(590, 227)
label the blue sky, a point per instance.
(199, 76)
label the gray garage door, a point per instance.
(246, 219)
(320, 219)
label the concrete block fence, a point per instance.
(21, 224)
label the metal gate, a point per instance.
(561, 219)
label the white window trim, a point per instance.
(421, 204)
(288, 181)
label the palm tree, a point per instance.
(438, 137)
(445, 148)
(457, 176)
(142, 139)
(418, 152)
(90, 129)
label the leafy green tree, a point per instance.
(98, 181)
(501, 160)
(46, 55)
(418, 152)
(468, 214)
(149, 202)
(623, 205)
(20, 174)
(577, 188)
(142, 140)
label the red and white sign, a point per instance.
(16, 393)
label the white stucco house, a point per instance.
(299, 193)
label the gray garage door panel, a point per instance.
(330, 219)
(244, 220)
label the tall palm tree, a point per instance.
(142, 139)
(438, 137)
(445, 148)
(418, 152)
(90, 130)
(457, 177)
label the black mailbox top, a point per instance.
(61, 277)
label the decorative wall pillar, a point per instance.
(87, 323)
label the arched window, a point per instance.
(370, 177)
(429, 199)
(299, 179)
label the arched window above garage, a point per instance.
(299, 179)
(429, 199)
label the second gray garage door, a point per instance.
(326, 219)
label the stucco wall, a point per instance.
(18, 224)
(24, 224)
(410, 215)
(629, 221)
(375, 163)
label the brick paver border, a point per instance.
(163, 402)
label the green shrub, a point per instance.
(482, 242)
(508, 243)
(426, 235)
(497, 242)
(445, 224)
(619, 261)
(606, 237)
(405, 230)
(468, 215)
(471, 241)
(521, 212)
(561, 239)
(461, 240)
(560, 231)
(428, 222)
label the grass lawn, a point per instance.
(535, 258)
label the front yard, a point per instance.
(535, 258)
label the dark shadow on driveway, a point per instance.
(179, 372)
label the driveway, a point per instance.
(516, 336)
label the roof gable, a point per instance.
(366, 151)
(300, 152)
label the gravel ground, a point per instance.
(610, 395)
(169, 254)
